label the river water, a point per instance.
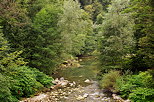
(88, 70)
(82, 92)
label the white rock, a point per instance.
(62, 78)
(127, 100)
(116, 97)
(87, 81)
(66, 97)
(80, 60)
(74, 82)
(80, 98)
(71, 84)
(80, 76)
(38, 98)
(64, 83)
(96, 93)
(55, 81)
(85, 95)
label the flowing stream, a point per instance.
(88, 70)
(82, 91)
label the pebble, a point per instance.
(87, 81)
(80, 97)
(85, 95)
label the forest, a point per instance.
(38, 36)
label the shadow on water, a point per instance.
(88, 70)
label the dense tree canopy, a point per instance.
(36, 36)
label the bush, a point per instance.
(21, 82)
(136, 87)
(141, 94)
(109, 80)
(5, 93)
(42, 78)
(17, 80)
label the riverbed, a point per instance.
(86, 88)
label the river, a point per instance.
(88, 70)
(82, 91)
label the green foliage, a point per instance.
(5, 93)
(142, 95)
(42, 78)
(74, 24)
(109, 80)
(94, 9)
(12, 60)
(139, 88)
(22, 82)
(47, 49)
(116, 36)
(27, 81)
(143, 12)
(17, 80)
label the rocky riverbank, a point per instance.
(65, 91)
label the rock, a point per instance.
(66, 97)
(71, 84)
(74, 82)
(78, 65)
(80, 60)
(85, 95)
(80, 98)
(80, 76)
(105, 99)
(55, 86)
(62, 79)
(63, 83)
(97, 96)
(127, 100)
(69, 64)
(55, 81)
(65, 62)
(87, 81)
(38, 98)
(116, 97)
(96, 93)
(63, 65)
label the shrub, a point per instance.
(141, 94)
(136, 87)
(124, 86)
(24, 81)
(109, 80)
(5, 93)
(42, 78)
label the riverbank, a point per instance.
(75, 84)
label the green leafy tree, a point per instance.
(74, 24)
(47, 45)
(142, 11)
(117, 36)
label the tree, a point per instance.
(105, 4)
(117, 36)
(47, 42)
(142, 11)
(74, 24)
(94, 9)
